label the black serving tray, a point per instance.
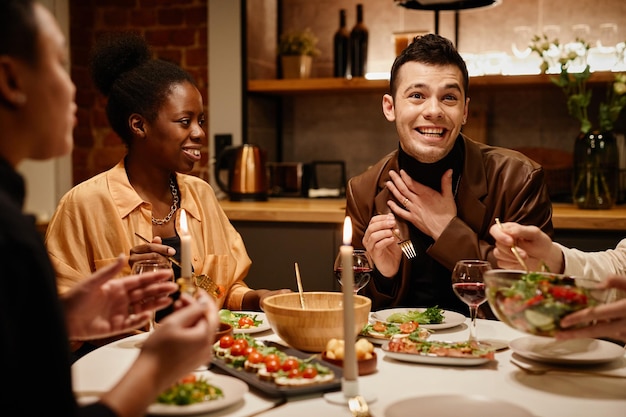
(269, 388)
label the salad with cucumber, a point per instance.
(537, 302)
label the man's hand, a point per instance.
(425, 208)
(382, 245)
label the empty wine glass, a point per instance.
(522, 36)
(361, 266)
(468, 285)
(579, 45)
(607, 37)
(149, 265)
(552, 34)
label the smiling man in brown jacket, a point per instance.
(440, 189)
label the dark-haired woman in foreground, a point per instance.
(37, 116)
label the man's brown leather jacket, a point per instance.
(495, 182)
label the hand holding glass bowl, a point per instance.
(536, 302)
(361, 266)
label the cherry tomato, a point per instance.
(248, 351)
(379, 326)
(289, 364)
(189, 379)
(309, 372)
(255, 357)
(272, 365)
(294, 373)
(245, 322)
(408, 327)
(226, 341)
(272, 357)
(242, 342)
(567, 294)
(238, 349)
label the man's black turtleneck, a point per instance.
(430, 281)
(430, 174)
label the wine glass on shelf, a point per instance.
(522, 36)
(361, 267)
(468, 285)
(149, 265)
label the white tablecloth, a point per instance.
(549, 395)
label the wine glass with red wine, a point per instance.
(468, 285)
(361, 267)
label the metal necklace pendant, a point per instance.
(173, 208)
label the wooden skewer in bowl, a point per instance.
(299, 280)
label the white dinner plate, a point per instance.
(433, 359)
(450, 318)
(575, 351)
(374, 340)
(260, 316)
(232, 388)
(455, 406)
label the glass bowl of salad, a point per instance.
(535, 302)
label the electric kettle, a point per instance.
(247, 173)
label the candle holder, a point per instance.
(188, 285)
(349, 389)
(350, 380)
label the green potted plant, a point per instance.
(297, 49)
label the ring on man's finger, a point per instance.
(405, 202)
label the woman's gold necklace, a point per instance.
(173, 208)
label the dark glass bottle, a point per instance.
(358, 45)
(596, 170)
(340, 47)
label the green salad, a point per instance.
(431, 315)
(537, 302)
(190, 390)
(240, 320)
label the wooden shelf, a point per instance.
(361, 85)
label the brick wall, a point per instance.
(175, 29)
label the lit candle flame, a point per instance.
(347, 231)
(185, 247)
(183, 222)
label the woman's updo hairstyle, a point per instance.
(123, 69)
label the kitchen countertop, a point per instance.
(310, 210)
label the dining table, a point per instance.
(499, 381)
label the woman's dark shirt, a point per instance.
(34, 352)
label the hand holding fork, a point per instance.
(405, 244)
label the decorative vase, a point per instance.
(296, 66)
(596, 170)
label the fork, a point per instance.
(406, 245)
(208, 284)
(203, 281)
(520, 260)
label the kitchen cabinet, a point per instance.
(275, 246)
